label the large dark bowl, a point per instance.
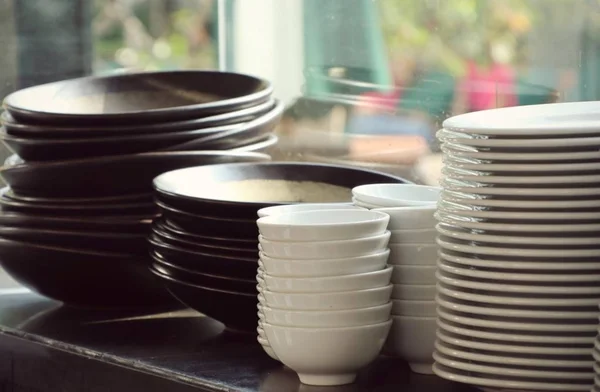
(18, 129)
(119, 224)
(170, 189)
(206, 280)
(45, 149)
(82, 278)
(172, 228)
(137, 98)
(110, 176)
(204, 262)
(161, 232)
(234, 309)
(210, 225)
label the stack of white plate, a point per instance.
(596, 355)
(519, 237)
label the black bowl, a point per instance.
(119, 224)
(210, 225)
(168, 185)
(208, 263)
(82, 278)
(17, 129)
(207, 247)
(109, 176)
(206, 280)
(137, 98)
(85, 240)
(265, 145)
(239, 243)
(234, 309)
(215, 138)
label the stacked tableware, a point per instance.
(413, 255)
(596, 356)
(519, 245)
(79, 203)
(205, 244)
(324, 292)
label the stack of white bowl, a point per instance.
(324, 291)
(519, 232)
(596, 356)
(413, 255)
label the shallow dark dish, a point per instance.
(126, 199)
(236, 310)
(119, 224)
(206, 280)
(137, 98)
(171, 227)
(84, 240)
(265, 145)
(15, 128)
(204, 262)
(159, 230)
(45, 149)
(110, 176)
(82, 278)
(169, 191)
(210, 225)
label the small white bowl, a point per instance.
(268, 349)
(414, 308)
(323, 225)
(413, 236)
(414, 274)
(419, 292)
(327, 356)
(411, 218)
(362, 204)
(325, 249)
(413, 254)
(327, 318)
(293, 268)
(397, 195)
(286, 209)
(326, 284)
(412, 339)
(328, 301)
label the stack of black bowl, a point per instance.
(78, 209)
(205, 245)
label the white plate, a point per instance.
(550, 168)
(507, 347)
(475, 212)
(551, 156)
(478, 188)
(484, 178)
(514, 336)
(525, 264)
(471, 223)
(548, 119)
(514, 300)
(513, 288)
(498, 202)
(588, 142)
(455, 232)
(488, 381)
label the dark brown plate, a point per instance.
(17, 129)
(135, 198)
(168, 185)
(110, 176)
(173, 228)
(83, 278)
(214, 138)
(137, 98)
(120, 224)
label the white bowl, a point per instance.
(327, 318)
(286, 209)
(414, 308)
(414, 274)
(412, 236)
(326, 284)
(327, 356)
(362, 204)
(419, 292)
(328, 301)
(323, 225)
(325, 249)
(411, 218)
(268, 349)
(413, 254)
(397, 195)
(412, 339)
(294, 268)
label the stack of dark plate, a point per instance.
(205, 245)
(79, 204)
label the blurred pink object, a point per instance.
(489, 88)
